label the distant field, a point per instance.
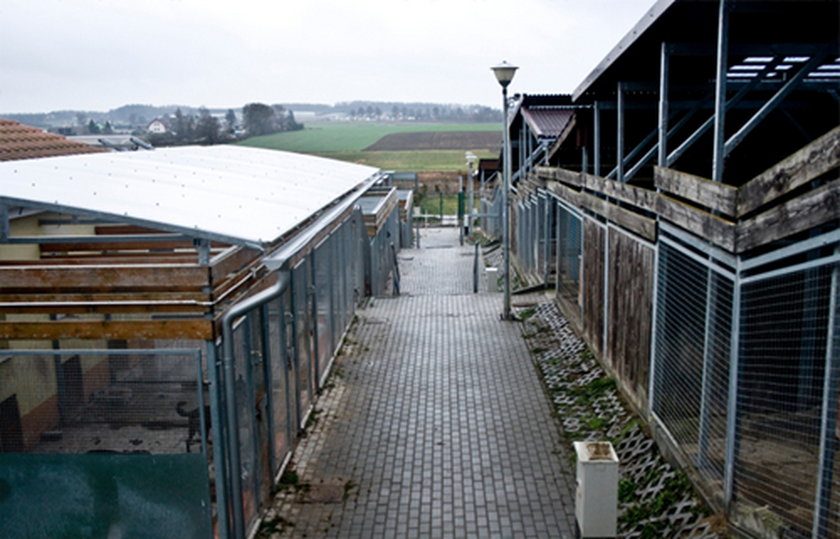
(438, 140)
(347, 141)
(417, 161)
(349, 136)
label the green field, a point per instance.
(347, 140)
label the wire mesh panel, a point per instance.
(691, 357)
(282, 405)
(120, 401)
(246, 433)
(491, 223)
(302, 335)
(102, 442)
(784, 331)
(568, 254)
(323, 283)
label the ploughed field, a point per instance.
(439, 140)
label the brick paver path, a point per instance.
(435, 423)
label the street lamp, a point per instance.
(471, 158)
(504, 74)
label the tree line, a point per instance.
(205, 128)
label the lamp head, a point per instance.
(504, 73)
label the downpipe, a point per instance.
(229, 367)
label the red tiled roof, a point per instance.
(19, 141)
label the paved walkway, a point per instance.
(435, 423)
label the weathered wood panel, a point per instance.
(641, 198)
(112, 330)
(561, 175)
(230, 262)
(117, 245)
(803, 166)
(62, 307)
(704, 224)
(629, 319)
(814, 208)
(156, 296)
(99, 259)
(592, 285)
(103, 278)
(716, 196)
(630, 220)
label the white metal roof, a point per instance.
(231, 193)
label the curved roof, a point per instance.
(235, 194)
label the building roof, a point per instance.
(235, 194)
(547, 122)
(757, 28)
(18, 141)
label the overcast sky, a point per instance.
(100, 54)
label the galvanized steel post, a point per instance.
(720, 91)
(828, 421)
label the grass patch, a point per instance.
(275, 525)
(527, 313)
(430, 204)
(290, 480)
(349, 486)
(587, 393)
(408, 160)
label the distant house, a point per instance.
(157, 127)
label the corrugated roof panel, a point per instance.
(235, 193)
(547, 122)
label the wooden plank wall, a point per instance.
(630, 303)
(592, 284)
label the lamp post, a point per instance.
(504, 74)
(470, 157)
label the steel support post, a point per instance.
(708, 364)
(732, 398)
(596, 138)
(558, 249)
(219, 430)
(654, 309)
(828, 421)
(664, 70)
(619, 143)
(546, 238)
(719, 136)
(268, 366)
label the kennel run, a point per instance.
(167, 318)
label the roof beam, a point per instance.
(718, 154)
(732, 102)
(771, 104)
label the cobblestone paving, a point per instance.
(434, 424)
